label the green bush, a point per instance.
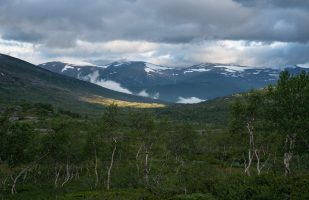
(261, 187)
(112, 195)
(196, 196)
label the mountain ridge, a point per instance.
(202, 81)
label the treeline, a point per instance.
(262, 154)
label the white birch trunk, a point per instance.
(147, 166)
(96, 167)
(250, 150)
(288, 155)
(111, 165)
(136, 158)
(67, 178)
(15, 180)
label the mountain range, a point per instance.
(192, 84)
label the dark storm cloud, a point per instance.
(304, 4)
(288, 54)
(58, 27)
(17, 34)
(61, 22)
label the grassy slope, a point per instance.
(213, 112)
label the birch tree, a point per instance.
(111, 134)
(288, 112)
(143, 127)
(246, 118)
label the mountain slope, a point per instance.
(127, 77)
(23, 82)
(202, 82)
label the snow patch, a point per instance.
(275, 75)
(149, 70)
(103, 66)
(74, 62)
(154, 68)
(190, 100)
(257, 72)
(197, 70)
(66, 68)
(118, 63)
(232, 68)
(200, 70)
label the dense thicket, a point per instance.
(263, 154)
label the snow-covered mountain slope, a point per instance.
(184, 85)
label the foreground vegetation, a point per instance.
(50, 153)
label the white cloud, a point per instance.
(156, 95)
(144, 93)
(247, 53)
(22, 50)
(112, 85)
(306, 65)
(190, 100)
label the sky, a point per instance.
(177, 33)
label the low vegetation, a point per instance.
(258, 150)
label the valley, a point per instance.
(154, 100)
(65, 138)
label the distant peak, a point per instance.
(75, 64)
(291, 66)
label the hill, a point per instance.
(21, 82)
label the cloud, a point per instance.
(173, 32)
(112, 85)
(144, 93)
(276, 3)
(156, 95)
(190, 100)
(61, 23)
(248, 53)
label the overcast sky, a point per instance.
(167, 32)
